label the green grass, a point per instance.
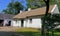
(32, 32)
(27, 30)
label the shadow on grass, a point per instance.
(28, 33)
(3, 33)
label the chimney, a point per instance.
(21, 11)
(29, 9)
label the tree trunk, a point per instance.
(42, 30)
(47, 10)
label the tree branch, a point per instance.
(45, 1)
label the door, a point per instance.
(22, 23)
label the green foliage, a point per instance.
(34, 4)
(40, 3)
(18, 6)
(13, 8)
(50, 22)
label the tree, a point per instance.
(18, 7)
(37, 3)
(13, 8)
(51, 22)
(47, 6)
(48, 22)
(8, 11)
(46, 14)
(34, 4)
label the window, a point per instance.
(30, 20)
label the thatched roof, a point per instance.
(35, 12)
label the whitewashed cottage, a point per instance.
(32, 18)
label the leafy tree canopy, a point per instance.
(13, 8)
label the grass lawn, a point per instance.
(32, 32)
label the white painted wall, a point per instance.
(25, 22)
(16, 23)
(55, 10)
(36, 23)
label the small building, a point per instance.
(5, 19)
(32, 18)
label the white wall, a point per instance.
(36, 23)
(55, 10)
(16, 23)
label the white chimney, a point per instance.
(21, 11)
(29, 9)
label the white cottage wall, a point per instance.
(36, 23)
(16, 23)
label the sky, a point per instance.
(4, 4)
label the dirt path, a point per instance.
(7, 31)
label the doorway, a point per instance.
(22, 23)
(1, 22)
(9, 23)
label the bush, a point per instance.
(57, 30)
